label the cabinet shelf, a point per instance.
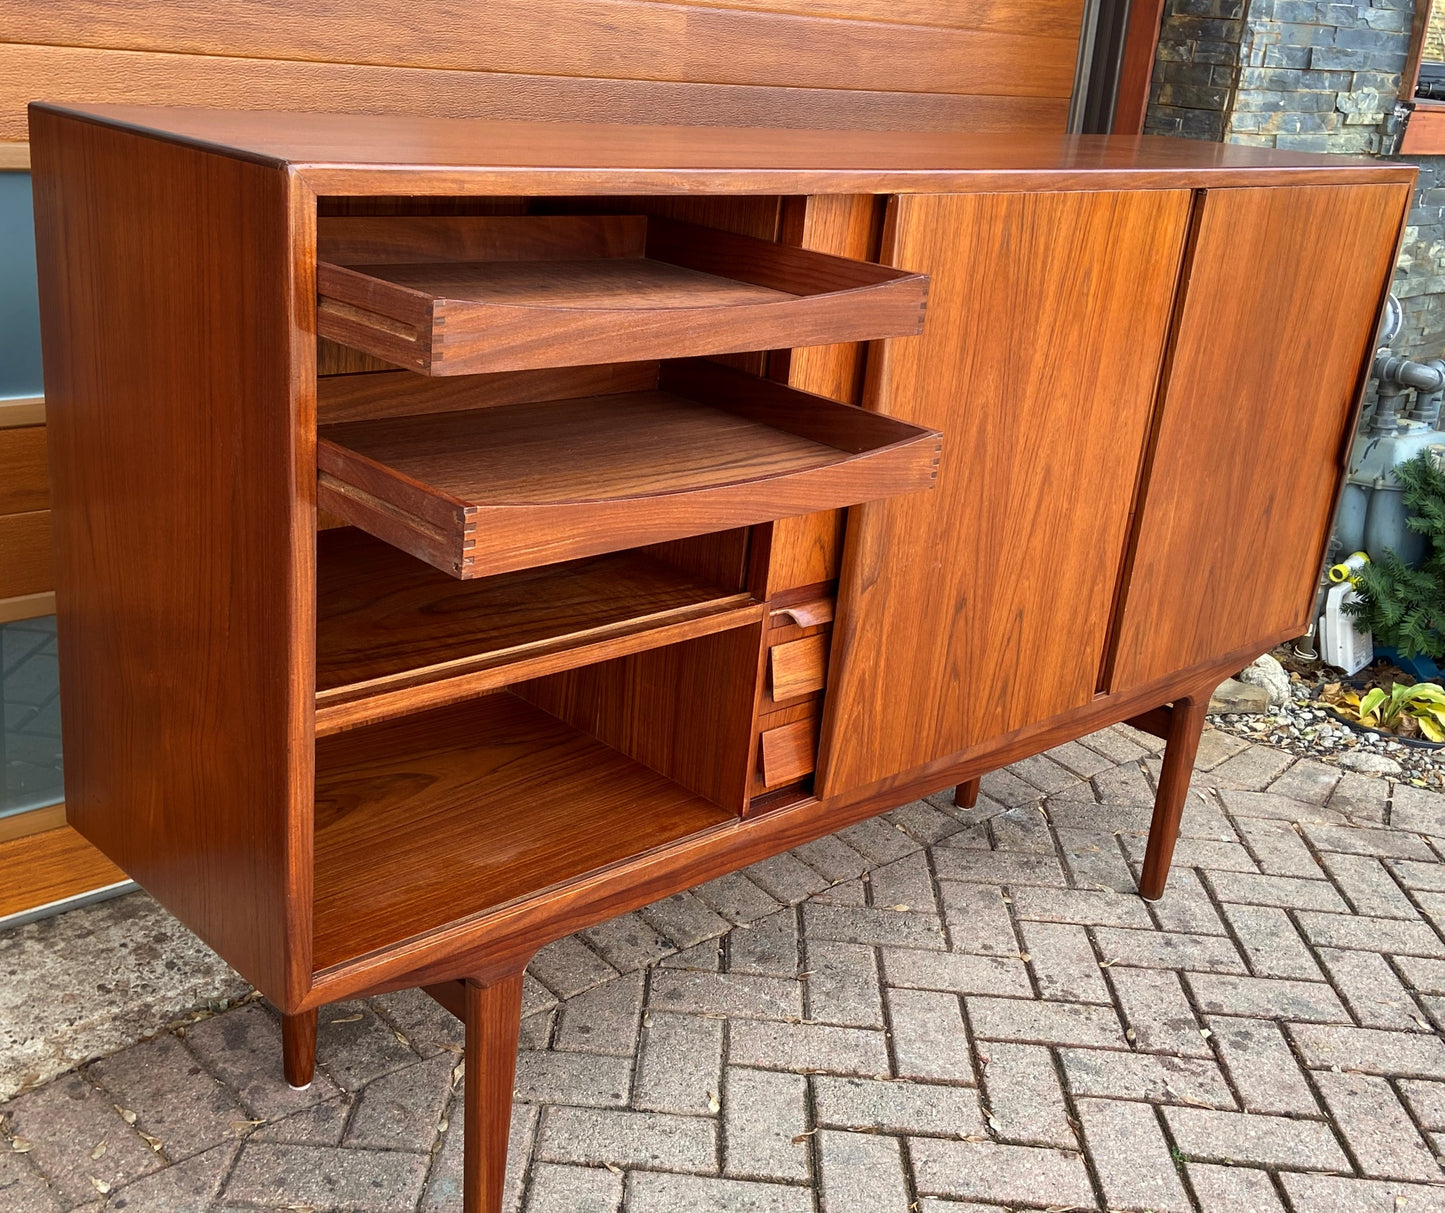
(444, 815)
(458, 295)
(494, 489)
(394, 635)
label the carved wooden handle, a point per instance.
(805, 614)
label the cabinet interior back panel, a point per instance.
(984, 606)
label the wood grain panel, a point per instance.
(79, 76)
(807, 550)
(403, 394)
(22, 411)
(41, 868)
(990, 598)
(685, 710)
(32, 821)
(1002, 15)
(184, 534)
(369, 156)
(24, 478)
(27, 606)
(787, 753)
(1276, 328)
(443, 815)
(26, 567)
(394, 635)
(797, 667)
(613, 38)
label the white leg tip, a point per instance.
(307, 1087)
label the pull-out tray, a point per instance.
(457, 295)
(520, 485)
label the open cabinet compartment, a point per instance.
(456, 295)
(488, 490)
(453, 812)
(395, 635)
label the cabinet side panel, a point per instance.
(1274, 333)
(983, 606)
(182, 489)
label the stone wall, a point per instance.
(1309, 75)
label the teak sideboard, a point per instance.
(470, 531)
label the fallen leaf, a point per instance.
(99, 1185)
(459, 1072)
(903, 909)
(1206, 1033)
(613, 1167)
(802, 1137)
(154, 1142)
(125, 1114)
(401, 1038)
(443, 1125)
(347, 1019)
(20, 1145)
(1025, 956)
(98, 1151)
(712, 1103)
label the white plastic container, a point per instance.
(1342, 644)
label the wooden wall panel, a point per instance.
(24, 483)
(45, 867)
(621, 39)
(981, 607)
(1275, 332)
(78, 76)
(26, 566)
(989, 66)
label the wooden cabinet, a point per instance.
(385, 663)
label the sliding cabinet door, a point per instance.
(1275, 332)
(980, 607)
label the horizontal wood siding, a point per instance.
(922, 64)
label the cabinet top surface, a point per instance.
(351, 153)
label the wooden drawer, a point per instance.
(788, 752)
(457, 295)
(26, 566)
(798, 667)
(24, 476)
(514, 486)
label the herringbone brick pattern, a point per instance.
(937, 1011)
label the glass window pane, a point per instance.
(19, 306)
(30, 741)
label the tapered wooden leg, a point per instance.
(298, 1048)
(1186, 723)
(965, 796)
(494, 1020)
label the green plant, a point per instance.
(1393, 711)
(1405, 607)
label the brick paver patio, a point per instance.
(937, 1011)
